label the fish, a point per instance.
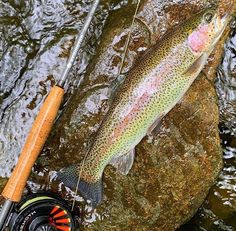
(153, 86)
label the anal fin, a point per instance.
(124, 162)
(155, 127)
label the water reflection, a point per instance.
(35, 40)
(226, 85)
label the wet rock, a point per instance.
(173, 170)
(226, 83)
(34, 41)
(218, 210)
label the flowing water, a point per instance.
(35, 38)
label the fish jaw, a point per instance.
(221, 23)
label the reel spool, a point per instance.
(42, 212)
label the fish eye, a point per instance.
(208, 16)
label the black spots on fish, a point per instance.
(96, 167)
(117, 136)
(103, 141)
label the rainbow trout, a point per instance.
(150, 90)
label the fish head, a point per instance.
(210, 25)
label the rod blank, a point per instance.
(78, 43)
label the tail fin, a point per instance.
(90, 191)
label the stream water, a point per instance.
(35, 37)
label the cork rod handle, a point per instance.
(33, 145)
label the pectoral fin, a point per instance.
(197, 66)
(124, 162)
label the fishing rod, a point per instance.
(34, 214)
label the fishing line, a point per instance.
(120, 70)
(128, 38)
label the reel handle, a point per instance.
(33, 145)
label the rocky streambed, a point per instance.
(173, 170)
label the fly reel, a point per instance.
(42, 212)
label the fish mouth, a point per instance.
(221, 23)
